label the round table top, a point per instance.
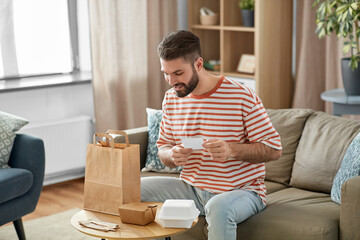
(339, 96)
(125, 231)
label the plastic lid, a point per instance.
(178, 209)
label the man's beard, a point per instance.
(189, 87)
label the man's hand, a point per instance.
(249, 152)
(218, 149)
(180, 155)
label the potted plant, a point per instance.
(343, 18)
(247, 12)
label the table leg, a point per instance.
(167, 238)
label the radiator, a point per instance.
(65, 146)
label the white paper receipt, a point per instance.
(194, 143)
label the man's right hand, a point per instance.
(180, 155)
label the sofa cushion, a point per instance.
(9, 124)
(350, 167)
(14, 182)
(294, 214)
(323, 144)
(153, 162)
(289, 123)
(272, 187)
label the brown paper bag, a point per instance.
(112, 175)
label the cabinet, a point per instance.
(270, 41)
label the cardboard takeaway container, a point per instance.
(137, 213)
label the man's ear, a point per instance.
(199, 63)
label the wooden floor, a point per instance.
(58, 198)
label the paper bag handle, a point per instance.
(105, 135)
(118, 132)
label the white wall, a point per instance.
(48, 104)
(65, 156)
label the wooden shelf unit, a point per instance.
(270, 41)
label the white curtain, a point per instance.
(126, 69)
(317, 61)
(7, 38)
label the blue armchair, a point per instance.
(20, 185)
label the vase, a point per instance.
(351, 78)
(247, 17)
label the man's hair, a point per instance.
(180, 44)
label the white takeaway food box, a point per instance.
(176, 213)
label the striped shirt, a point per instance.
(232, 112)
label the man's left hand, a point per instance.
(218, 149)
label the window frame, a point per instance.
(74, 46)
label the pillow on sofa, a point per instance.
(321, 149)
(350, 167)
(9, 124)
(153, 162)
(289, 123)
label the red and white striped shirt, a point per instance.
(232, 112)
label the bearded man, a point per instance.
(225, 178)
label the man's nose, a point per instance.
(171, 80)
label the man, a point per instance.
(226, 177)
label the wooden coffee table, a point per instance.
(125, 231)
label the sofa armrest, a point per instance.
(28, 153)
(350, 209)
(137, 136)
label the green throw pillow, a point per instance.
(9, 124)
(153, 162)
(350, 167)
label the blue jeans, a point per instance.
(222, 211)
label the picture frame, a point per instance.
(246, 63)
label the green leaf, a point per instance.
(339, 17)
(329, 27)
(341, 30)
(315, 3)
(346, 48)
(322, 10)
(320, 24)
(341, 9)
(353, 62)
(328, 7)
(343, 17)
(333, 4)
(354, 6)
(322, 33)
(354, 44)
(347, 27)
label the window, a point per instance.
(39, 37)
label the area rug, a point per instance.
(53, 227)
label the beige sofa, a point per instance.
(299, 183)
